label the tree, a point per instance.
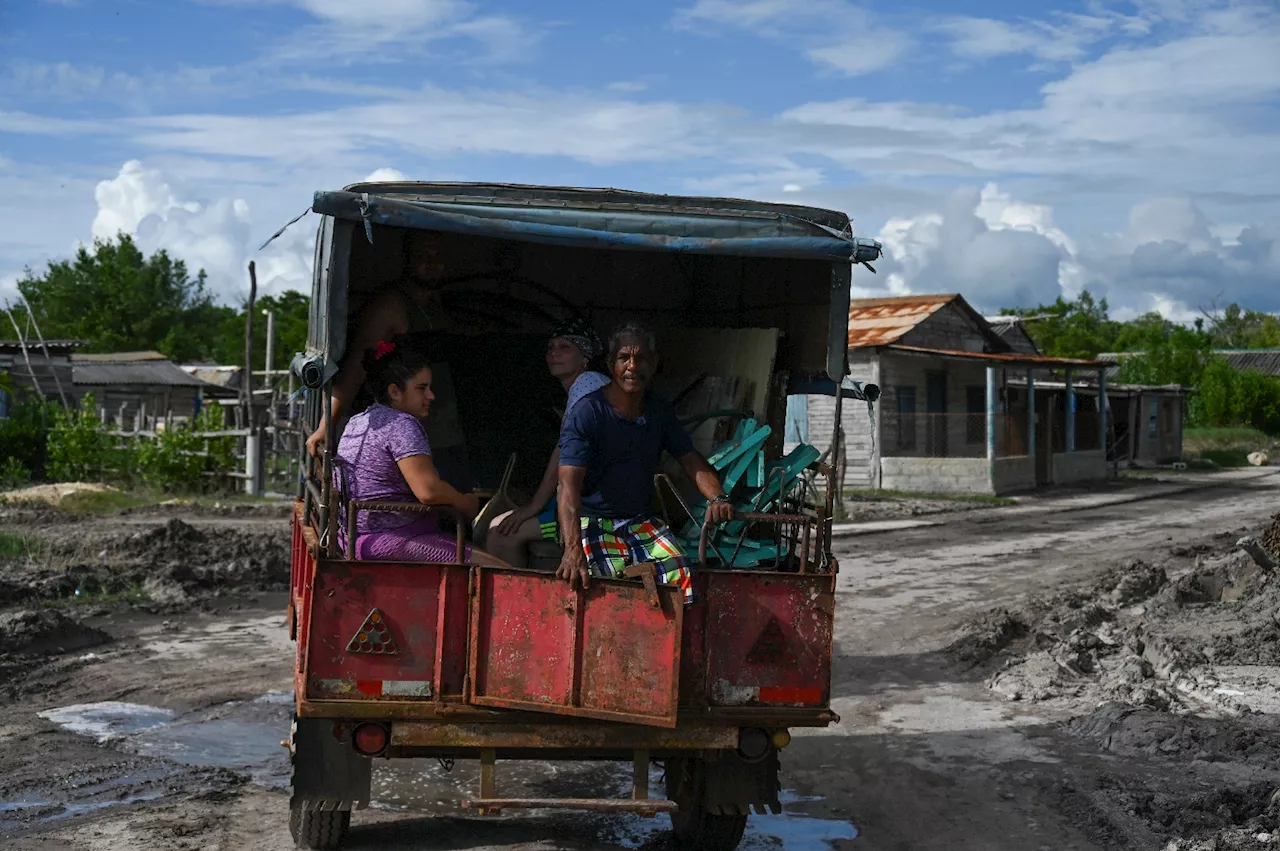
(116, 299)
(1072, 329)
(1235, 327)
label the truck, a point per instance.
(458, 661)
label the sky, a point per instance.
(1007, 151)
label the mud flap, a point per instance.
(328, 774)
(734, 786)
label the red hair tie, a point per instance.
(384, 348)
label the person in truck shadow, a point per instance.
(611, 445)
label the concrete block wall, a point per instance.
(1071, 467)
(936, 475)
(859, 427)
(1014, 474)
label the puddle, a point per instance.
(109, 720)
(422, 786)
(245, 736)
(242, 735)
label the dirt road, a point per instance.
(163, 731)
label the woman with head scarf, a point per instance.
(572, 351)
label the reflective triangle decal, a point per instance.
(771, 647)
(373, 636)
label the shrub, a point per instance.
(24, 436)
(81, 449)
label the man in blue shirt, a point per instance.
(611, 445)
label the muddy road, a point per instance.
(157, 724)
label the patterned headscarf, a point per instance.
(578, 332)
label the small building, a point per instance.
(960, 410)
(39, 370)
(127, 386)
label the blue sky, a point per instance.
(1007, 152)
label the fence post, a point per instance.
(253, 466)
(992, 400)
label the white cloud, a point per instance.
(434, 122)
(385, 175)
(869, 51)
(216, 236)
(985, 245)
(834, 34)
(1001, 252)
(344, 29)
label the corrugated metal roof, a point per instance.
(61, 347)
(1005, 357)
(882, 321)
(1265, 361)
(118, 357)
(163, 373)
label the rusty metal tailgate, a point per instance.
(608, 652)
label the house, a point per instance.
(1146, 421)
(37, 368)
(960, 409)
(130, 386)
(1013, 330)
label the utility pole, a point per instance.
(270, 379)
(22, 344)
(49, 358)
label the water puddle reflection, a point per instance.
(245, 736)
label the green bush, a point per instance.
(13, 474)
(81, 449)
(24, 436)
(178, 458)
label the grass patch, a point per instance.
(14, 545)
(1225, 457)
(867, 495)
(1225, 447)
(101, 502)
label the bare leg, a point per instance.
(511, 548)
(487, 559)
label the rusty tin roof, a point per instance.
(882, 321)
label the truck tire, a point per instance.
(695, 828)
(319, 829)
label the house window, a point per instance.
(1153, 419)
(975, 424)
(906, 418)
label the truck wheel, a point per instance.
(695, 828)
(319, 829)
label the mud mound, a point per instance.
(1128, 731)
(1068, 617)
(1250, 808)
(985, 637)
(167, 563)
(1271, 537)
(46, 632)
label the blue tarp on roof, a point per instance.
(760, 235)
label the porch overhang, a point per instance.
(1004, 358)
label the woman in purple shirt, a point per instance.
(385, 455)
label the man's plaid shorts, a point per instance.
(611, 545)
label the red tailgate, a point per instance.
(606, 653)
